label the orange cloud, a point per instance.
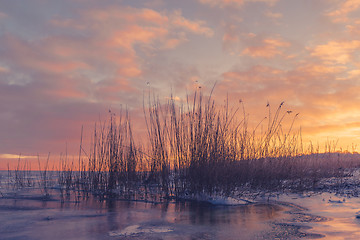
(354, 28)
(354, 73)
(268, 48)
(345, 7)
(336, 52)
(320, 69)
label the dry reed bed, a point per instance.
(193, 148)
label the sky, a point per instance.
(65, 64)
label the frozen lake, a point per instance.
(25, 216)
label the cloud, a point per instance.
(3, 15)
(354, 73)
(273, 15)
(254, 82)
(125, 13)
(270, 2)
(98, 56)
(236, 42)
(197, 27)
(31, 56)
(340, 14)
(336, 52)
(85, 64)
(223, 3)
(353, 29)
(313, 68)
(268, 48)
(231, 39)
(234, 3)
(119, 35)
(3, 69)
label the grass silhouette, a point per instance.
(195, 148)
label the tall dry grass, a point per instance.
(210, 149)
(197, 147)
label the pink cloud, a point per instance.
(127, 14)
(234, 3)
(127, 28)
(273, 15)
(268, 48)
(87, 63)
(32, 56)
(223, 3)
(3, 15)
(3, 69)
(197, 27)
(136, 34)
(231, 39)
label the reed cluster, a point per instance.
(196, 148)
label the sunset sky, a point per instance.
(64, 64)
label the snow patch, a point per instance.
(227, 201)
(137, 229)
(217, 199)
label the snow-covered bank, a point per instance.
(338, 213)
(216, 200)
